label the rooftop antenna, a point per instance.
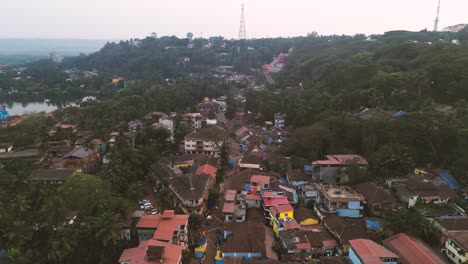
(436, 21)
(242, 33)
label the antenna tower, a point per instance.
(436, 21)
(242, 34)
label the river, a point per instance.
(23, 108)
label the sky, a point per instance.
(124, 19)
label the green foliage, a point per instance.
(125, 166)
(413, 223)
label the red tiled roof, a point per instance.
(275, 201)
(411, 250)
(331, 243)
(149, 221)
(172, 253)
(228, 207)
(167, 226)
(282, 208)
(260, 179)
(230, 196)
(207, 169)
(256, 197)
(369, 251)
(341, 160)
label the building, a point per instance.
(33, 155)
(191, 190)
(221, 101)
(234, 207)
(192, 120)
(168, 123)
(445, 224)
(333, 170)
(6, 147)
(282, 218)
(378, 200)
(298, 178)
(82, 158)
(56, 57)
(259, 182)
(152, 251)
(167, 227)
(250, 161)
(365, 251)
(248, 240)
(295, 241)
(418, 188)
(346, 229)
(128, 225)
(341, 200)
(205, 141)
(4, 115)
(280, 120)
(208, 169)
(306, 217)
(456, 246)
(412, 250)
(52, 176)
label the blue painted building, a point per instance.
(343, 200)
(4, 115)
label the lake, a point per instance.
(22, 108)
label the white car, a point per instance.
(148, 206)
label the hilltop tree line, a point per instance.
(325, 83)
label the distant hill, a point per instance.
(42, 47)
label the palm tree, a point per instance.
(107, 228)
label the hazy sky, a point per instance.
(123, 19)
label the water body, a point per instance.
(24, 108)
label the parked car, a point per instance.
(142, 203)
(148, 206)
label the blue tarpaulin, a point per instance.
(449, 179)
(373, 224)
(283, 180)
(202, 241)
(199, 254)
(247, 187)
(245, 148)
(308, 168)
(231, 164)
(399, 113)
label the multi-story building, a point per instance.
(81, 158)
(333, 170)
(342, 200)
(280, 120)
(168, 123)
(234, 207)
(192, 120)
(205, 141)
(167, 227)
(456, 246)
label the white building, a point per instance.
(168, 124)
(205, 141)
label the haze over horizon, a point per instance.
(124, 19)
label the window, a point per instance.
(286, 215)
